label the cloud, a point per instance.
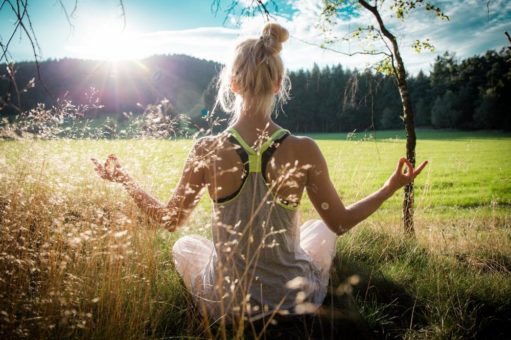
(470, 31)
(207, 43)
(307, 35)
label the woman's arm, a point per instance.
(327, 202)
(184, 199)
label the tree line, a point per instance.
(469, 94)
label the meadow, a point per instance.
(78, 259)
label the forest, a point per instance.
(464, 94)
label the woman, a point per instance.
(260, 261)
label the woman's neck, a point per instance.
(253, 127)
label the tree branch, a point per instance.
(21, 14)
(123, 13)
(256, 6)
(349, 54)
(374, 11)
(67, 15)
(262, 9)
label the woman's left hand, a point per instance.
(111, 170)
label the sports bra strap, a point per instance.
(266, 155)
(255, 158)
(253, 161)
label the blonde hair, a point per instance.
(255, 71)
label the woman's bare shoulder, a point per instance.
(305, 149)
(210, 143)
(303, 143)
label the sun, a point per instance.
(101, 41)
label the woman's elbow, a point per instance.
(341, 227)
(170, 221)
(344, 228)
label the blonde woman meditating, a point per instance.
(260, 261)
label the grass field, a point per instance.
(78, 259)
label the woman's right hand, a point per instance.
(401, 178)
(111, 170)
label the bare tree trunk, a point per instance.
(400, 73)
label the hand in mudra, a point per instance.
(400, 178)
(111, 170)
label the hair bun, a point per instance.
(274, 35)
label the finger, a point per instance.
(113, 158)
(409, 168)
(100, 169)
(101, 172)
(400, 164)
(419, 168)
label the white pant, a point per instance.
(192, 253)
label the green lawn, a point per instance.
(453, 281)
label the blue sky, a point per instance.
(190, 27)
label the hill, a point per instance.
(121, 86)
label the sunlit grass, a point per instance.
(79, 259)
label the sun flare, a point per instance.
(105, 42)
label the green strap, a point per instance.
(254, 158)
(276, 135)
(240, 140)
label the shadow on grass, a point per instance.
(388, 309)
(492, 320)
(338, 318)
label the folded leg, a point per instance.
(319, 242)
(191, 254)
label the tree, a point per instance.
(394, 65)
(479, 84)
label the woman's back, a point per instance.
(258, 263)
(284, 165)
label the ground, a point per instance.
(79, 259)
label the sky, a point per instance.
(99, 30)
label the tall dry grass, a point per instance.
(79, 259)
(74, 261)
